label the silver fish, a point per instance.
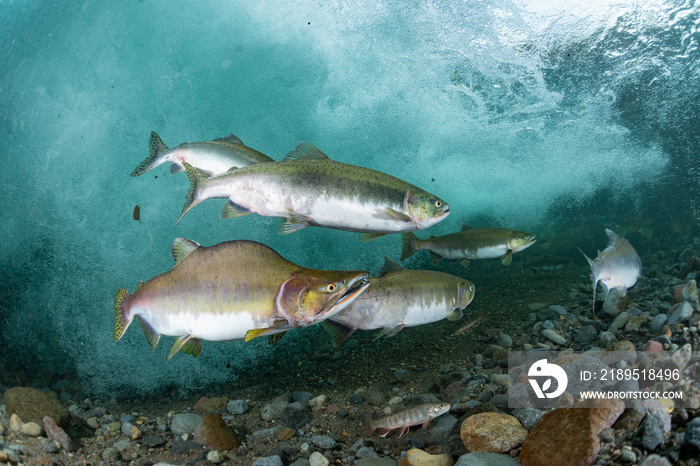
(399, 298)
(618, 266)
(210, 157)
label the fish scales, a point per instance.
(419, 414)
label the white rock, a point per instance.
(16, 422)
(32, 429)
(619, 322)
(553, 336)
(317, 459)
(215, 457)
(681, 358)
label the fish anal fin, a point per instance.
(396, 215)
(275, 337)
(232, 210)
(365, 237)
(305, 151)
(192, 346)
(152, 336)
(293, 222)
(183, 247)
(339, 332)
(390, 331)
(388, 267)
(465, 262)
(507, 258)
(177, 346)
(434, 257)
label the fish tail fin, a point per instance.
(156, 147)
(197, 179)
(368, 429)
(409, 245)
(595, 282)
(121, 319)
(588, 259)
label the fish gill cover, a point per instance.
(517, 111)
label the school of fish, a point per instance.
(244, 289)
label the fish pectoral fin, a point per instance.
(176, 168)
(178, 345)
(192, 346)
(151, 335)
(271, 330)
(275, 337)
(232, 210)
(339, 333)
(365, 237)
(390, 331)
(396, 215)
(465, 262)
(425, 424)
(507, 258)
(454, 315)
(434, 257)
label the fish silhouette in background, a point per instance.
(618, 266)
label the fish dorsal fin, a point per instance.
(231, 139)
(388, 267)
(612, 237)
(466, 227)
(183, 247)
(306, 151)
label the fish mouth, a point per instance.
(355, 289)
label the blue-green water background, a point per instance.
(556, 120)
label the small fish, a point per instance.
(307, 188)
(211, 157)
(470, 243)
(618, 266)
(232, 290)
(420, 414)
(548, 264)
(137, 213)
(470, 324)
(399, 298)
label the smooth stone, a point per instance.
(585, 335)
(185, 423)
(554, 337)
(571, 432)
(33, 405)
(486, 459)
(317, 459)
(16, 422)
(122, 445)
(180, 447)
(318, 402)
(214, 456)
(655, 460)
(614, 304)
(657, 323)
(624, 345)
(152, 441)
(690, 294)
(607, 338)
(213, 432)
(274, 460)
(528, 417)
(375, 462)
(492, 433)
(302, 397)
(273, 410)
(619, 322)
(547, 314)
(111, 454)
(653, 346)
(237, 407)
(652, 432)
(418, 457)
(294, 418)
(324, 441)
(628, 456)
(501, 379)
(690, 445)
(504, 340)
(210, 405)
(635, 324)
(681, 358)
(32, 429)
(561, 310)
(682, 313)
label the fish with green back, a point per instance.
(399, 298)
(232, 290)
(307, 188)
(211, 157)
(470, 243)
(618, 266)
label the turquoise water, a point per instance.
(556, 120)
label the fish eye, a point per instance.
(438, 203)
(330, 287)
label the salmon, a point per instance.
(419, 414)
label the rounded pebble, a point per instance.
(324, 441)
(237, 407)
(553, 336)
(215, 457)
(317, 459)
(32, 429)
